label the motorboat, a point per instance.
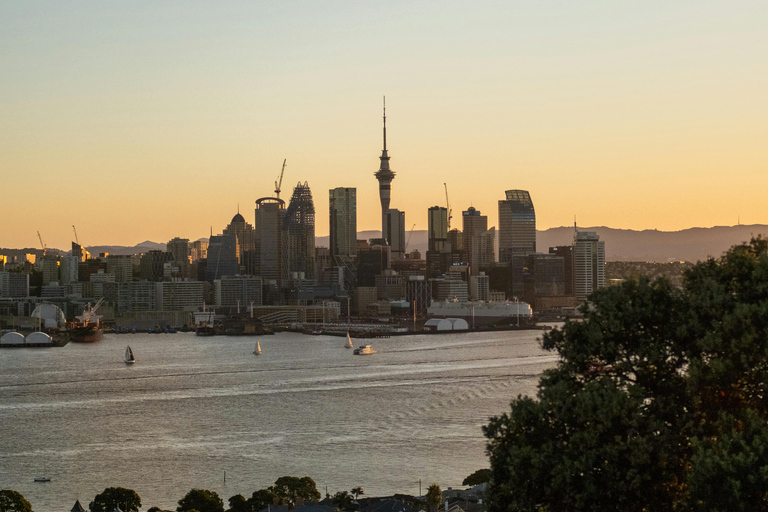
(42, 479)
(364, 350)
(349, 341)
(129, 359)
(257, 350)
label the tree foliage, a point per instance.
(13, 501)
(357, 491)
(288, 489)
(112, 498)
(201, 500)
(659, 401)
(342, 498)
(434, 497)
(480, 476)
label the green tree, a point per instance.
(290, 488)
(480, 476)
(342, 499)
(201, 500)
(116, 497)
(261, 499)
(12, 501)
(659, 400)
(357, 491)
(238, 503)
(434, 497)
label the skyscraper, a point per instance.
(394, 232)
(385, 177)
(243, 233)
(268, 228)
(473, 225)
(299, 229)
(437, 238)
(517, 226)
(222, 257)
(342, 206)
(588, 263)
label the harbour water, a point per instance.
(194, 408)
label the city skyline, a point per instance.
(153, 122)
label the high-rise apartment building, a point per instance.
(198, 250)
(517, 226)
(342, 206)
(299, 230)
(588, 263)
(473, 225)
(437, 240)
(179, 249)
(268, 226)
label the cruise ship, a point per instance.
(483, 313)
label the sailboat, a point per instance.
(257, 351)
(349, 341)
(129, 359)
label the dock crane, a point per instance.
(76, 240)
(279, 181)
(410, 234)
(448, 206)
(41, 243)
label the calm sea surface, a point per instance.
(193, 408)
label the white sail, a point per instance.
(258, 349)
(129, 359)
(349, 341)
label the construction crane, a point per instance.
(279, 181)
(410, 234)
(448, 206)
(76, 240)
(41, 242)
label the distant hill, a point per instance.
(694, 244)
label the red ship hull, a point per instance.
(89, 334)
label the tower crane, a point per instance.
(448, 206)
(76, 240)
(42, 244)
(410, 234)
(279, 181)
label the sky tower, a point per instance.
(385, 177)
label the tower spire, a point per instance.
(385, 124)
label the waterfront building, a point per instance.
(544, 277)
(449, 289)
(517, 225)
(342, 207)
(385, 176)
(178, 295)
(268, 227)
(395, 232)
(222, 257)
(299, 232)
(588, 263)
(418, 293)
(240, 291)
(245, 238)
(390, 285)
(479, 287)
(141, 295)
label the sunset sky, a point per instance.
(148, 120)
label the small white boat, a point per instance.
(364, 350)
(257, 351)
(129, 359)
(349, 341)
(42, 479)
